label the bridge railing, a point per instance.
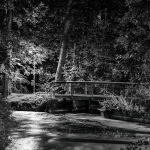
(91, 88)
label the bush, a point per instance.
(141, 96)
(139, 145)
(137, 100)
(116, 103)
(41, 103)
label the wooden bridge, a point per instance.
(91, 89)
(89, 93)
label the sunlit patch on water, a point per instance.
(28, 143)
(52, 134)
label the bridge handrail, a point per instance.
(96, 82)
(88, 87)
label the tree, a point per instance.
(93, 32)
(14, 19)
(89, 40)
(62, 57)
(133, 41)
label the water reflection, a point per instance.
(85, 127)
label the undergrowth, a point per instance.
(40, 103)
(141, 144)
(6, 123)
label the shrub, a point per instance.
(116, 103)
(136, 100)
(42, 103)
(140, 96)
(142, 143)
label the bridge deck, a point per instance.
(83, 96)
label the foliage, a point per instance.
(107, 41)
(44, 82)
(41, 22)
(39, 102)
(133, 41)
(73, 73)
(142, 143)
(6, 123)
(17, 81)
(117, 103)
(136, 100)
(140, 96)
(28, 101)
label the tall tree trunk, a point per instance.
(9, 44)
(62, 56)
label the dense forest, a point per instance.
(73, 40)
(100, 40)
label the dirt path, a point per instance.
(42, 131)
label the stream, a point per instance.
(44, 131)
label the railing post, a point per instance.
(53, 91)
(71, 89)
(91, 90)
(104, 89)
(85, 88)
(67, 88)
(113, 89)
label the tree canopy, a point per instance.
(77, 39)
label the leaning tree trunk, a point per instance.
(62, 57)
